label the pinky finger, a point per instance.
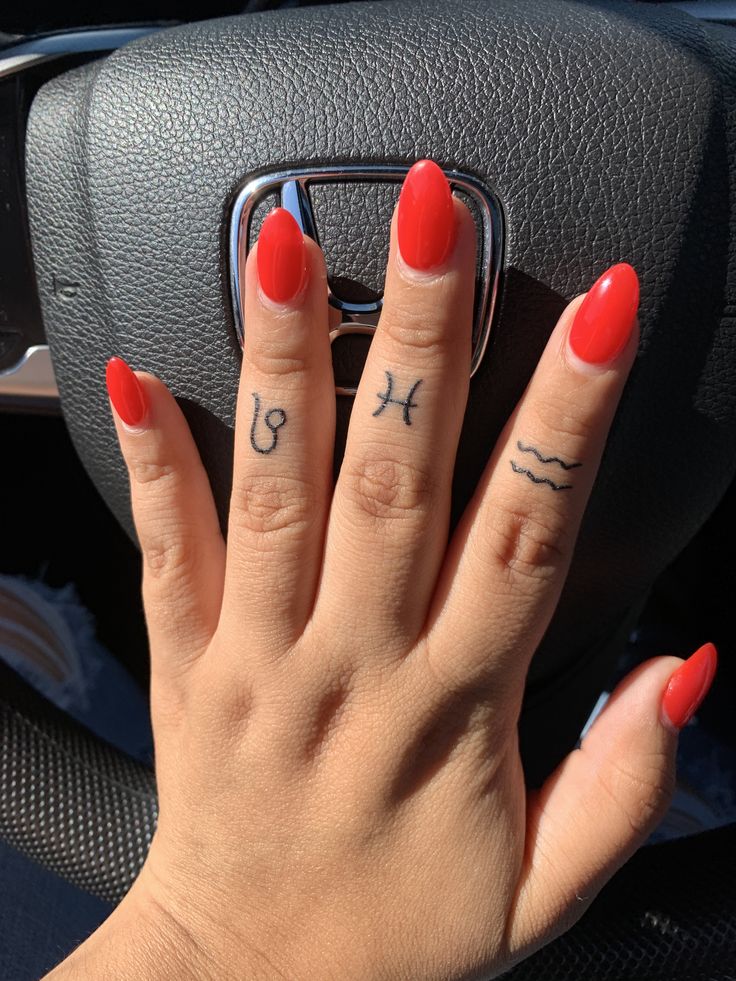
(175, 518)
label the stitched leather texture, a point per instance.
(607, 131)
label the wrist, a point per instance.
(140, 939)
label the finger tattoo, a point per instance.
(538, 480)
(546, 459)
(387, 398)
(273, 420)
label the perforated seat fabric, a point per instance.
(81, 808)
(669, 915)
(68, 800)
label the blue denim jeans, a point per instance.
(42, 917)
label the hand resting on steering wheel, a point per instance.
(335, 692)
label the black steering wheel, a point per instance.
(580, 133)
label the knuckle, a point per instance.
(267, 504)
(151, 472)
(166, 556)
(167, 547)
(527, 545)
(281, 353)
(642, 795)
(279, 364)
(385, 488)
(416, 333)
(565, 419)
(409, 321)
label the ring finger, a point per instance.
(511, 552)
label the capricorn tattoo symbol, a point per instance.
(274, 419)
(388, 399)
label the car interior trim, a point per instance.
(31, 380)
(720, 11)
(18, 57)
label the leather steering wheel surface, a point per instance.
(606, 131)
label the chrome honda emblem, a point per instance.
(293, 186)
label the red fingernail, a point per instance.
(689, 685)
(126, 392)
(282, 265)
(426, 219)
(604, 322)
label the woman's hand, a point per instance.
(335, 693)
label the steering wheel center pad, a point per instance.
(607, 132)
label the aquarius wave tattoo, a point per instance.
(546, 459)
(538, 480)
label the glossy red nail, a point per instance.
(426, 218)
(126, 392)
(281, 256)
(604, 322)
(689, 685)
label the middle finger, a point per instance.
(388, 524)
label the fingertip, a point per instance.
(603, 324)
(281, 258)
(688, 686)
(634, 704)
(426, 224)
(127, 394)
(270, 287)
(420, 262)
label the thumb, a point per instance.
(606, 797)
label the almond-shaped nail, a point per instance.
(689, 685)
(425, 224)
(126, 392)
(281, 256)
(606, 317)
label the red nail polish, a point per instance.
(426, 218)
(126, 392)
(689, 685)
(605, 319)
(281, 256)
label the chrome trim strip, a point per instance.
(720, 11)
(344, 329)
(31, 378)
(293, 188)
(18, 57)
(12, 64)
